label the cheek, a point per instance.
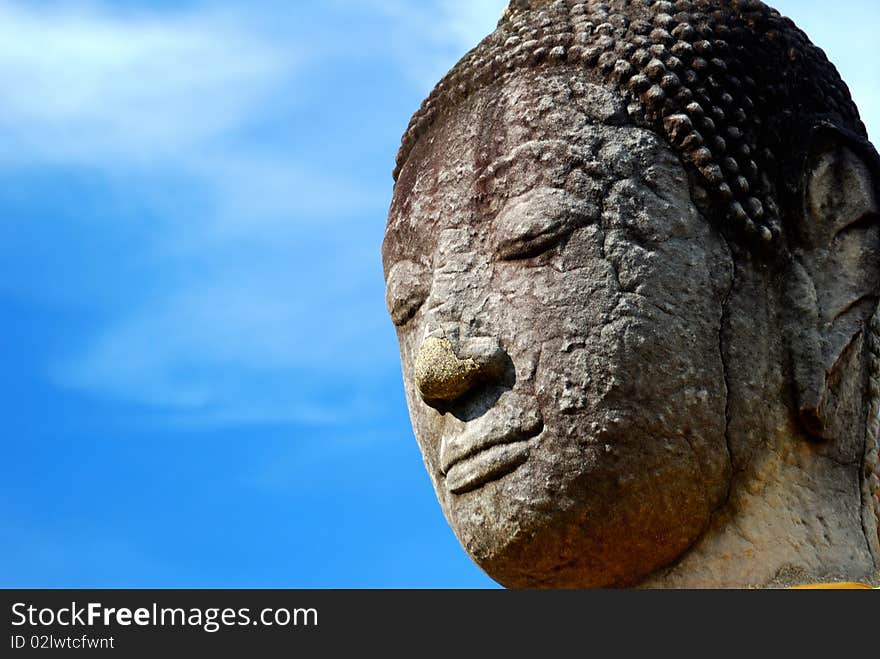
(641, 369)
(631, 386)
(549, 312)
(633, 459)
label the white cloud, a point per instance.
(262, 192)
(172, 93)
(253, 344)
(429, 38)
(232, 328)
(84, 87)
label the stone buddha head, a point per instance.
(633, 258)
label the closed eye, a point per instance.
(527, 247)
(537, 221)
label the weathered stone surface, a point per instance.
(610, 383)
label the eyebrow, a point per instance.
(534, 149)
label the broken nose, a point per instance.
(440, 374)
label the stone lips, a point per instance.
(703, 73)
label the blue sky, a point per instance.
(200, 385)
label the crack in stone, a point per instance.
(870, 445)
(725, 367)
(722, 321)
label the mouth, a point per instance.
(486, 466)
(472, 459)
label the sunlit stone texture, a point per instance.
(633, 258)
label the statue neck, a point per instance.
(782, 529)
(799, 510)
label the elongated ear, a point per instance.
(834, 278)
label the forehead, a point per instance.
(532, 128)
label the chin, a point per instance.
(577, 518)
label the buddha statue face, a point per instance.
(638, 310)
(558, 308)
